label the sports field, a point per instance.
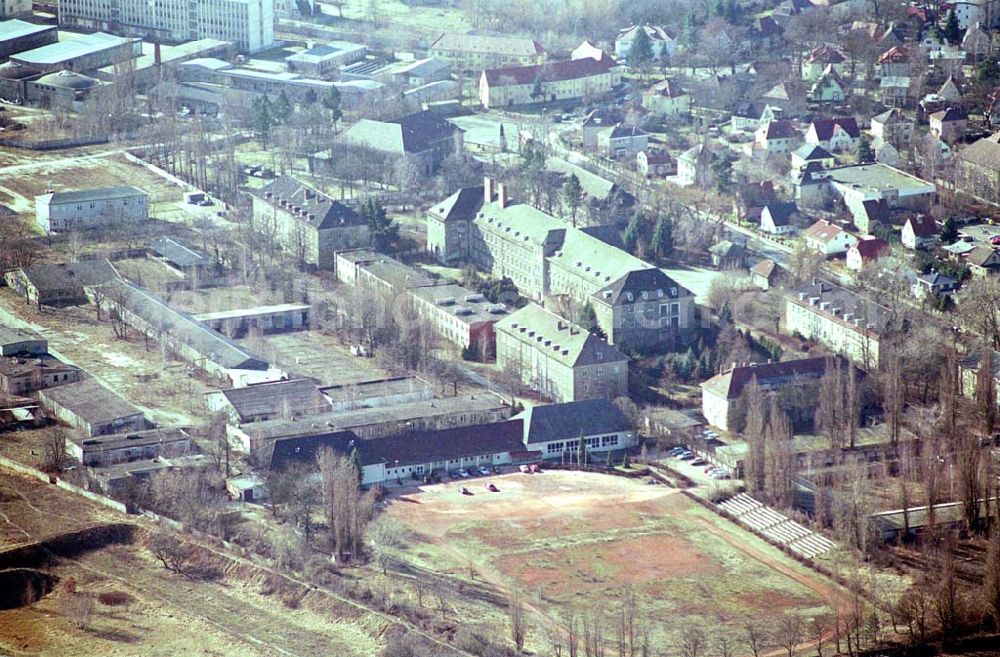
(571, 541)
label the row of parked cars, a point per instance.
(713, 471)
(474, 472)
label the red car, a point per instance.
(995, 240)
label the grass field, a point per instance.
(577, 541)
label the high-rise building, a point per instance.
(247, 23)
(10, 8)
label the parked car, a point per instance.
(483, 470)
(535, 469)
(677, 451)
(686, 456)
(525, 469)
(492, 488)
(699, 461)
(496, 469)
(463, 473)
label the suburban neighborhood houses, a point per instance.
(384, 329)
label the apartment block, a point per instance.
(247, 23)
(558, 358)
(844, 321)
(91, 208)
(587, 77)
(635, 303)
(474, 52)
(309, 224)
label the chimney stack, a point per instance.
(502, 193)
(487, 190)
(157, 56)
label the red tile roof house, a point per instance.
(827, 238)
(919, 231)
(864, 252)
(835, 135)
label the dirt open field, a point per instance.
(571, 540)
(237, 614)
(160, 386)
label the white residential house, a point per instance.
(828, 88)
(777, 218)
(892, 126)
(864, 252)
(819, 60)
(662, 41)
(777, 137)
(748, 117)
(828, 239)
(835, 135)
(90, 208)
(666, 98)
(919, 231)
(622, 142)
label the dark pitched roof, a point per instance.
(876, 210)
(781, 213)
(749, 110)
(766, 27)
(781, 129)
(825, 127)
(666, 88)
(812, 152)
(982, 255)
(179, 252)
(730, 384)
(279, 454)
(568, 69)
(639, 281)
(460, 206)
(421, 130)
(400, 449)
(73, 275)
(870, 249)
(315, 208)
(621, 131)
(950, 114)
(571, 420)
(99, 194)
(923, 225)
(445, 444)
(296, 397)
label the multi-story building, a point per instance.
(662, 41)
(474, 52)
(309, 224)
(460, 316)
(448, 224)
(643, 308)
(559, 358)
(326, 59)
(545, 257)
(425, 138)
(844, 321)
(666, 98)
(10, 8)
(555, 430)
(587, 77)
(247, 23)
(720, 395)
(977, 169)
(89, 209)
